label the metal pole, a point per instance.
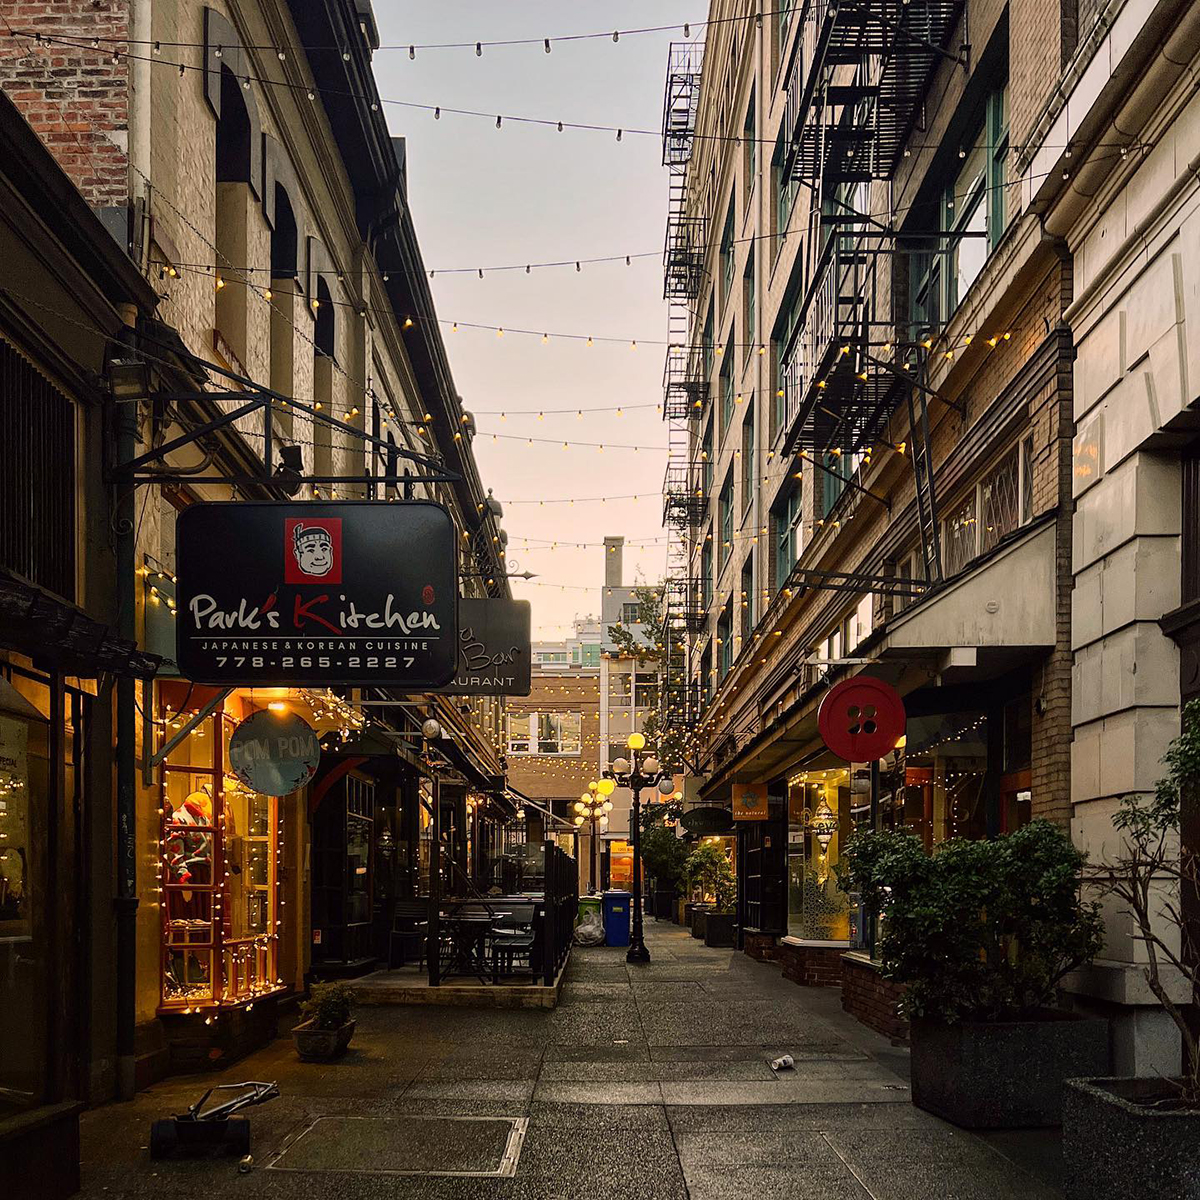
(872, 930)
(637, 947)
(592, 873)
(434, 949)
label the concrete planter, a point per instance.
(718, 929)
(320, 1045)
(1115, 1148)
(1003, 1074)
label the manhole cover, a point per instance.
(407, 1146)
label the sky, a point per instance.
(482, 196)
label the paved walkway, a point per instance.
(646, 1082)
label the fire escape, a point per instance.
(855, 84)
(685, 388)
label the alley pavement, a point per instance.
(647, 1082)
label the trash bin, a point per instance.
(616, 917)
(588, 904)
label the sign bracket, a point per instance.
(202, 714)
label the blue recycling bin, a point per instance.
(616, 917)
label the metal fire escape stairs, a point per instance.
(685, 391)
(855, 85)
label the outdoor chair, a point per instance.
(410, 927)
(513, 938)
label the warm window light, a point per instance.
(277, 706)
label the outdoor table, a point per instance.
(469, 934)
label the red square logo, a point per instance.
(312, 550)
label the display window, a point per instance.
(218, 874)
(820, 815)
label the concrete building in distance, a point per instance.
(930, 302)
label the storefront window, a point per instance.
(219, 875)
(819, 818)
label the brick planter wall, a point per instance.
(812, 966)
(761, 946)
(870, 998)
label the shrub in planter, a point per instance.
(981, 933)
(1141, 1137)
(328, 1023)
(664, 856)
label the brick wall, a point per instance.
(812, 966)
(761, 946)
(1039, 32)
(75, 97)
(870, 998)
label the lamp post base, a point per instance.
(637, 954)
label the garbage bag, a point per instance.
(590, 931)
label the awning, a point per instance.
(60, 636)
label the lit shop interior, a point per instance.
(962, 774)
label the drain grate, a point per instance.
(479, 1146)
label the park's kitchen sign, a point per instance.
(342, 593)
(493, 649)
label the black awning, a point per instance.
(59, 635)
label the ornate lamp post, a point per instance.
(643, 771)
(594, 805)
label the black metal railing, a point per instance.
(559, 910)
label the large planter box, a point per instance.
(677, 914)
(1117, 1149)
(1004, 1074)
(718, 929)
(664, 904)
(700, 921)
(319, 1045)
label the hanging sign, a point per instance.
(350, 593)
(749, 801)
(861, 719)
(274, 753)
(493, 649)
(707, 821)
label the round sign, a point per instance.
(861, 719)
(274, 753)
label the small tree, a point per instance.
(665, 857)
(708, 869)
(979, 930)
(1158, 881)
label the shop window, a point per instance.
(819, 820)
(219, 871)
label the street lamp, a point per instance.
(642, 771)
(594, 805)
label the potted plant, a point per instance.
(980, 933)
(664, 856)
(708, 871)
(1125, 1137)
(328, 1024)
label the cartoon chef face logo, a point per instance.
(313, 551)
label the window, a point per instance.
(725, 642)
(1027, 479)
(999, 501)
(557, 733)
(746, 599)
(789, 539)
(631, 612)
(750, 136)
(706, 459)
(785, 189)
(958, 540)
(973, 209)
(707, 670)
(645, 691)
(727, 257)
(725, 522)
(727, 398)
(706, 343)
(790, 311)
(706, 573)
(749, 458)
(833, 481)
(749, 323)
(857, 626)
(620, 684)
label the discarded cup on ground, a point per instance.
(784, 1062)
(246, 1165)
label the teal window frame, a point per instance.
(725, 649)
(749, 472)
(833, 481)
(706, 573)
(746, 598)
(728, 402)
(727, 256)
(750, 133)
(725, 523)
(788, 519)
(751, 323)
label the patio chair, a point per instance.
(513, 939)
(410, 927)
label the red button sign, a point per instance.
(861, 719)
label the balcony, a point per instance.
(680, 101)
(683, 257)
(685, 383)
(684, 500)
(835, 395)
